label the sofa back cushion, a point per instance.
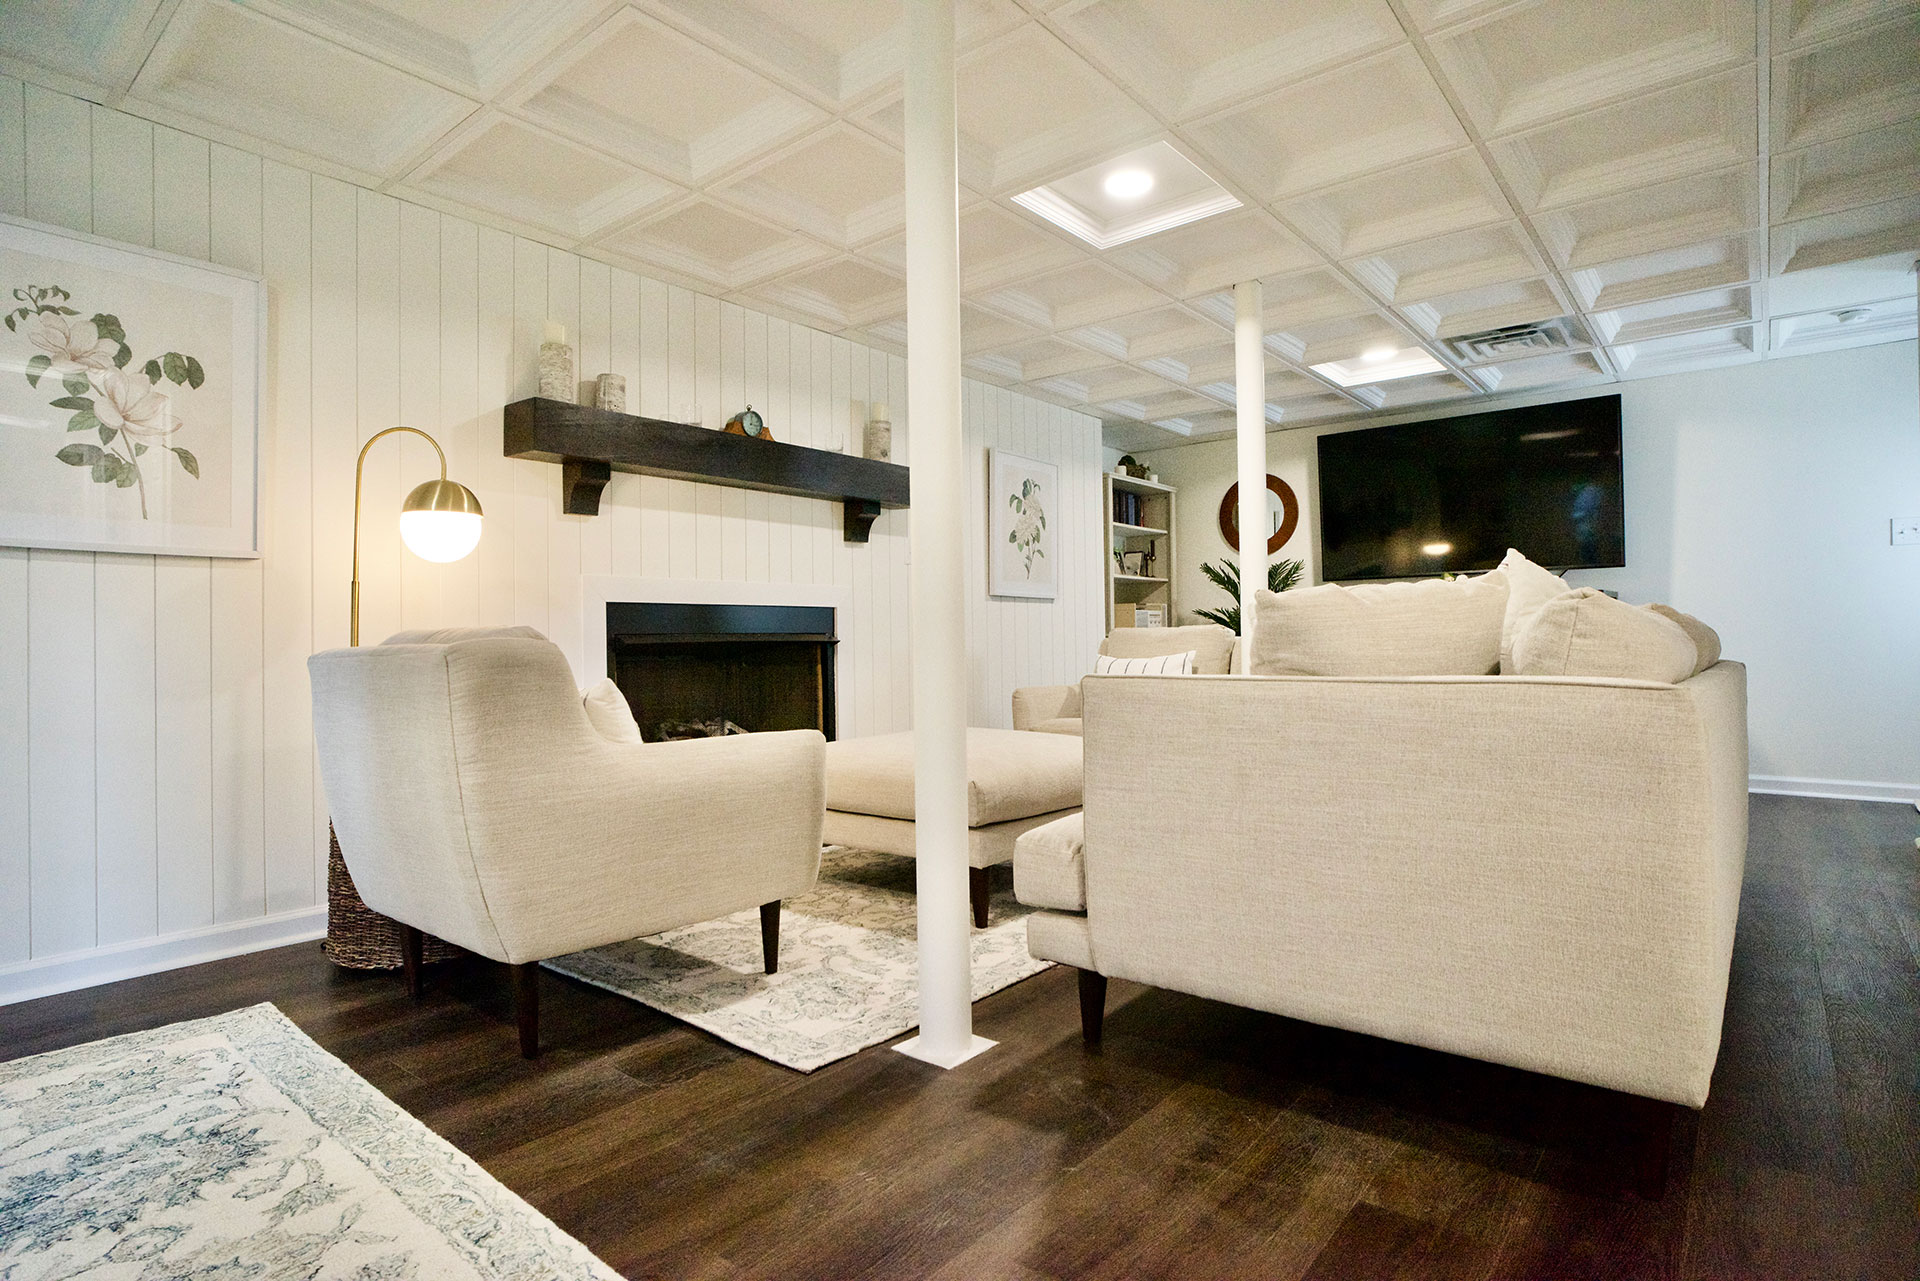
(1529, 587)
(1428, 628)
(1588, 633)
(1704, 638)
(1212, 645)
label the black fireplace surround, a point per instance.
(763, 667)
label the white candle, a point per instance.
(556, 332)
(877, 412)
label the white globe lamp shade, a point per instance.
(440, 521)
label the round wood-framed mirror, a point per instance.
(1289, 514)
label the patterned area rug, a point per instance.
(236, 1147)
(849, 970)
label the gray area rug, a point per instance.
(849, 970)
(236, 1147)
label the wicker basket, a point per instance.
(359, 938)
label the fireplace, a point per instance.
(761, 667)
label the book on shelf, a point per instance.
(1122, 614)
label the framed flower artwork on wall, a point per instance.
(129, 398)
(1023, 540)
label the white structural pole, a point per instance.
(938, 528)
(1250, 433)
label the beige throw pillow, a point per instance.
(1705, 639)
(1212, 645)
(1588, 633)
(1429, 628)
(1180, 664)
(1528, 588)
(608, 712)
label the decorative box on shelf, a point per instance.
(591, 444)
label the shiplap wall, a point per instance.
(156, 763)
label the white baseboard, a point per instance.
(45, 976)
(1839, 789)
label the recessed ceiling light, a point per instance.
(1368, 367)
(1122, 198)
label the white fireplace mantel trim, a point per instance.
(597, 591)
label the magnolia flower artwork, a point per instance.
(1023, 494)
(87, 360)
(128, 398)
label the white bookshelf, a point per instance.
(1152, 531)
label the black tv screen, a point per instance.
(1420, 498)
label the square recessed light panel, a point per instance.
(1380, 365)
(1152, 188)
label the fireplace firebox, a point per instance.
(761, 667)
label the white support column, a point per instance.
(1250, 433)
(937, 524)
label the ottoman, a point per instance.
(1015, 781)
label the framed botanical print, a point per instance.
(129, 398)
(1023, 540)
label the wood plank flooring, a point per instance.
(1200, 1141)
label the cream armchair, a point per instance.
(1055, 709)
(475, 802)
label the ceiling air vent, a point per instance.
(1513, 342)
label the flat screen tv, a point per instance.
(1413, 500)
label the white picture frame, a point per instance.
(130, 390)
(1023, 534)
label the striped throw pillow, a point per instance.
(1160, 665)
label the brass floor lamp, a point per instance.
(440, 522)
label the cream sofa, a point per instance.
(1541, 871)
(474, 801)
(1055, 709)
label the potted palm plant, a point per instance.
(1281, 575)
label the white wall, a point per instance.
(156, 764)
(1758, 498)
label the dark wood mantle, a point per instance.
(591, 444)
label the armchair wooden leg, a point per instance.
(1655, 1138)
(412, 948)
(526, 1007)
(1093, 1004)
(977, 890)
(770, 935)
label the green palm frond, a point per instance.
(1282, 575)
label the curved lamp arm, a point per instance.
(464, 500)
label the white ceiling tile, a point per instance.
(1083, 294)
(1705, 349)
(1297, 299)
(1653, 218)
(1159, 406)
(1801, 22)
(1868, 78)
(1306, 409)
(1103, 383)
(1526, 65)
(1183, 62)
(1692, 128)
(843, 292)
(981, 330)
(1340, 339)
(1865, 232)
(1422, 389)
(1472, 311)
(1562, 369)
(840, 185)
(1713, 309)
(529, 176)
(1688, 269)
(710, 242)
(1205, 363)
(1215, 253)
(1846, 284)
(1889, 321)
(1146, 334)
(1033, 358)
(1316, 133)
(1414, 202)
(1449, 264)
(246, 72)
(98, 43)
(642, 90)
(1860, 169)
(473, 46)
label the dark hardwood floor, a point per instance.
(1200, 1141)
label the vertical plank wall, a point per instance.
(156, 762)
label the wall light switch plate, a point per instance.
(1906, 529)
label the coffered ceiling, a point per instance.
(1687, 182)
